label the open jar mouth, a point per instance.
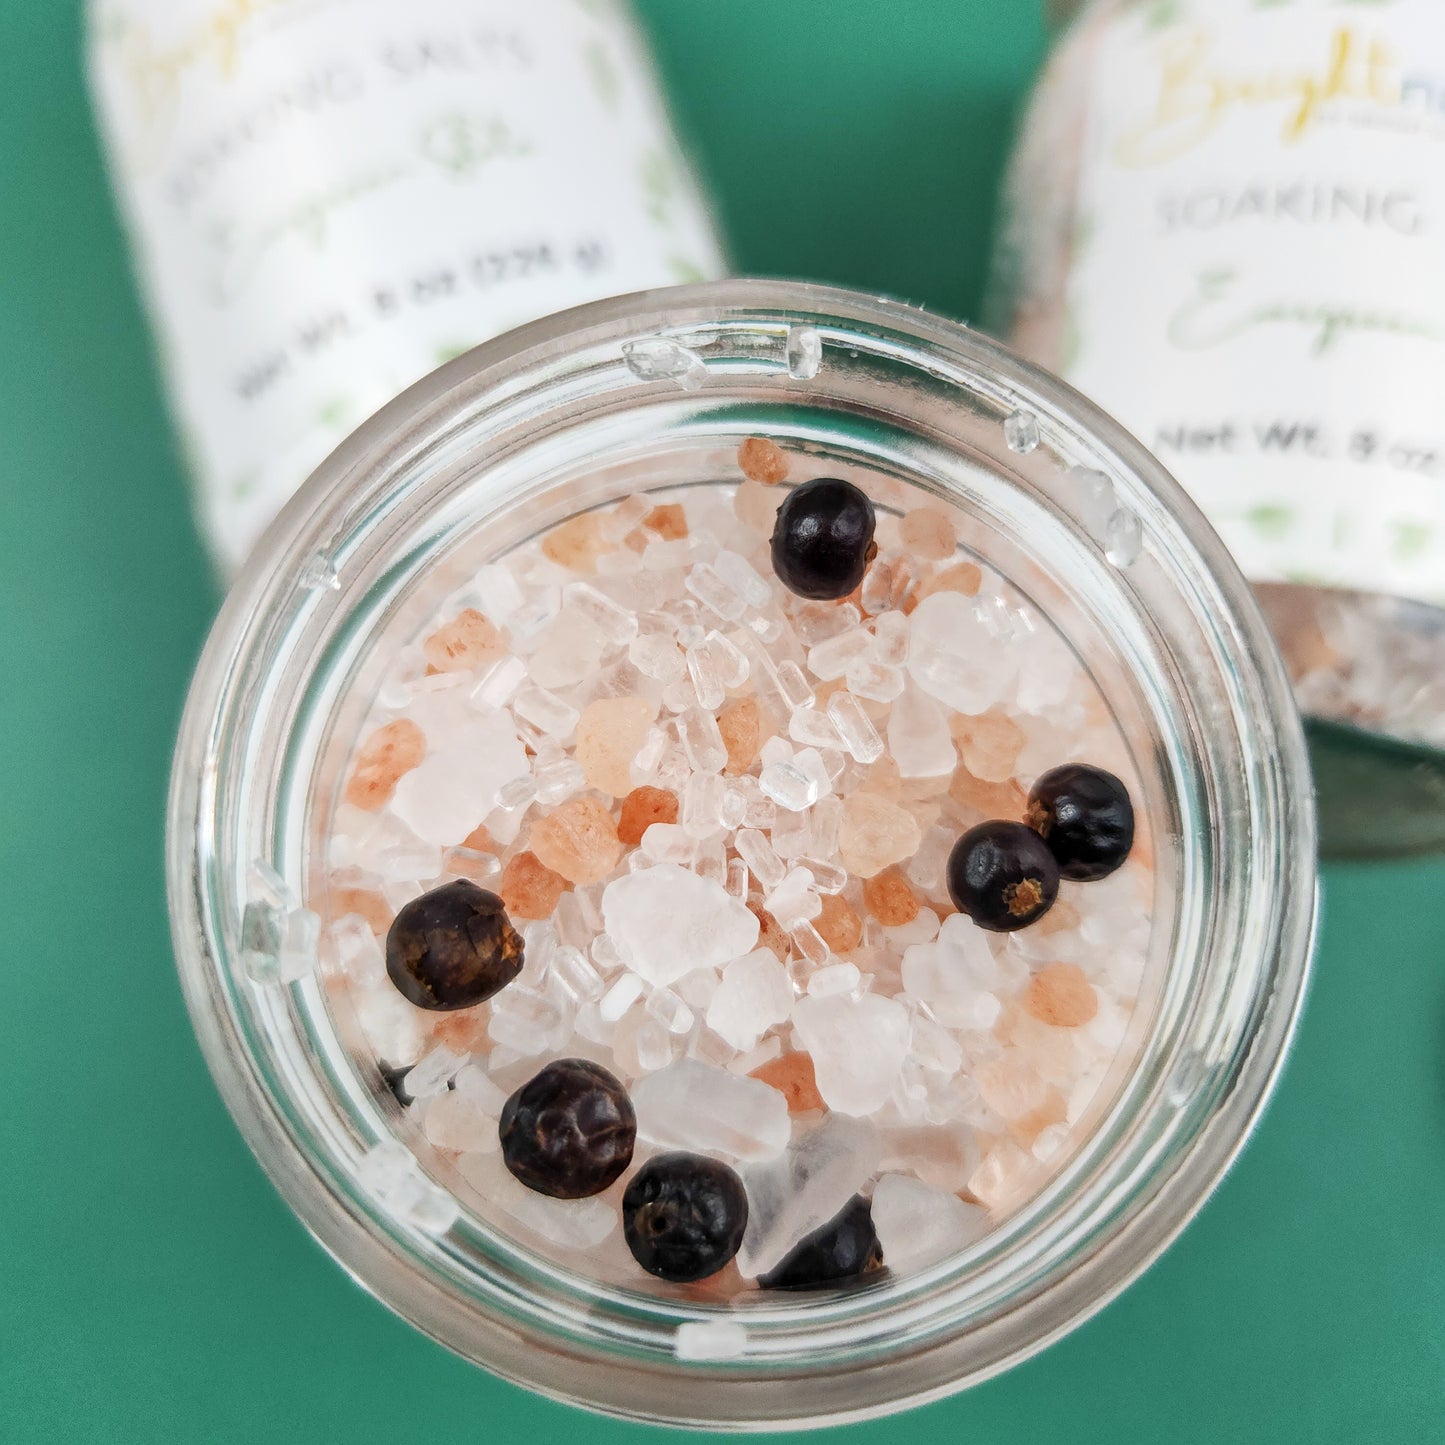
(570, 412)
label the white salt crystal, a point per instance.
(260, 942)
(499, 684)
(827, 877)
(393, 1175)
(702, 669)
(788, 786)
(918, 737)
(1123, 537)
(877, 681)
(702, 740)
(433, 1072)
(740, 575)
(702, 805)
(654, 1046)
(926, 866)
(835, 978)
(444, 798)
(627, 514)
(858, 1046)
(754, 995)
(529, 622)
(734, 810)
(616, 623)
(804, 351)
(1004, 1177)
(808, 943)
(794, 687)
(657, 657)
(669, 1010)
(668, 843)
(695, 1106)
(1049, 1142)
(392, 1026)
(775, 750)
(525, 1021)
(667, 921)
(815, 622)
(473, 1083)
(826, 821)
(1096, 499)
(569, 649)
(620, 997)
(732, 663)
(833, 657)
(891, 632)
(957, 976)
(1021, 431)
(855, 727)
(794, 900)
(714, 592)
(297, 955)
(499, 593)
(956, 656)
(750, 1062)
(656, 358)
(919, 1226)
(572, 973)
(793, 834)
(557, 781)
(739, 880)
(804, 1189)
(458, 1123)
(571, 1223)
(353, 947)
(547, 711)
(758, 854)
(813, 727)
(809, 762)
(711, 861)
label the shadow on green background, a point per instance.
(152, 1286)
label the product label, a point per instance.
(329, 198)
(1257, 288)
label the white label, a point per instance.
(329, 198)
(1258, 284)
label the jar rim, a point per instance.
(604, 1351)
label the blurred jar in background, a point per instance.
(1225, 222)
(328, 198)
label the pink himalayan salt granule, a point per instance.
(928, 533)
(668, 521)
(763, 461)
(643, 807)
(610, 732)
(530, 889)
(465, 643)
(578, 839)
(393, 749)
(577, 543)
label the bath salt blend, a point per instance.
(1227, 226)
(329, 198)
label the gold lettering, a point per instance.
(1197, 93)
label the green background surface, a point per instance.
(152, 1285)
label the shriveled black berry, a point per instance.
(844, 1249)
(453, 947)
(569, 1130)
(823, 540)
(683, 1216)
(1085, 816)
(1003, 876)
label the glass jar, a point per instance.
(642, 392)
(1221, 224)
